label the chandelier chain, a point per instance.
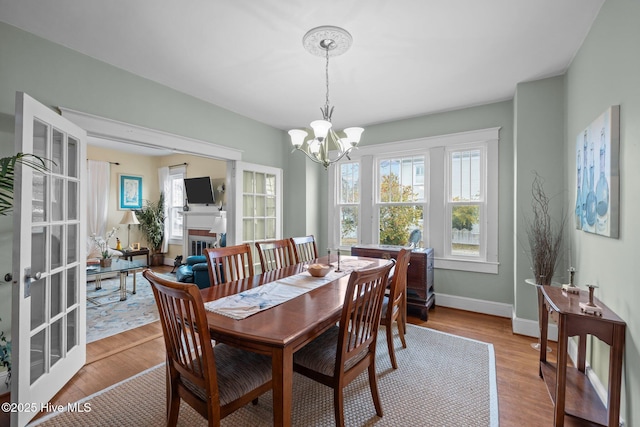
(326, 104)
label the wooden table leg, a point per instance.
(282, 371)
(615, 375)
(561, 372)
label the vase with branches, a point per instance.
(545, 235)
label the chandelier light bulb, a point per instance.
(297, 137)
(353, 135)
(320, 128)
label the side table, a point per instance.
(570, 390)
(129, 254)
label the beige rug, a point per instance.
(442, 380)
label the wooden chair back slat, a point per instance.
(275, 254)
(229, 263)
(305, 248)
(361, 313)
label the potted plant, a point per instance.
(152, 217)
(7, 176)
(544, 234)
(102, 243)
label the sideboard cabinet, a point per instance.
(420, 289)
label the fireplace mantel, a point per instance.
(198, 221)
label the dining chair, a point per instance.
(214, 380)
(394, 307)
(305, 248)
(343, 352)
(229, 263)
(275, 254)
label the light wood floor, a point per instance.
(522, 395)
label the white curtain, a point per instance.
(99, 176)
(164, 183)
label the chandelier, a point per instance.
(326, 41)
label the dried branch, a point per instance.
(545, 235)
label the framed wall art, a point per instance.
(130, 192)
(598, 175)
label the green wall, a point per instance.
(605, 72)
(539, 148)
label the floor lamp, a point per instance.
(129, 218)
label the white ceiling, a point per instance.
(408, 58)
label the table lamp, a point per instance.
(220, 228)
(129, 218)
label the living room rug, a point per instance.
(112, 316)
(441, 380)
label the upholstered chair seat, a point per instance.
(238, 372)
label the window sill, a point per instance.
(465, 265)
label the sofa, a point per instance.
(194, 270)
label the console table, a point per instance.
(420, 288)
(569, 388)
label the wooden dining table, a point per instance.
(281, 330)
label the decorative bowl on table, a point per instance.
(319, 270)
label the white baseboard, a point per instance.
(479, 306)
(520, 326)
(530, 328)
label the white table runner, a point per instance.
(242, 305)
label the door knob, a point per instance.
(8, 277)
(28, 278)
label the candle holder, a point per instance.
(571, 287)
(591, 307)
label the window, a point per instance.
(175, 202)
(400, 198)
(464, 202)
(446, 187)
(349, 202)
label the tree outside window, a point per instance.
(401, 195)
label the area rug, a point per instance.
(441, 380)
(111, 316)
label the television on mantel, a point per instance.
(199, 190)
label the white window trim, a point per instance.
(177, 170)
(435, 149)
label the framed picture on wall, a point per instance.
(130, 192)
(598, 175)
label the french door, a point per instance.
(49, 252)
(257, 200)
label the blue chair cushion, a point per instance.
(194, 271)
(184, 274)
